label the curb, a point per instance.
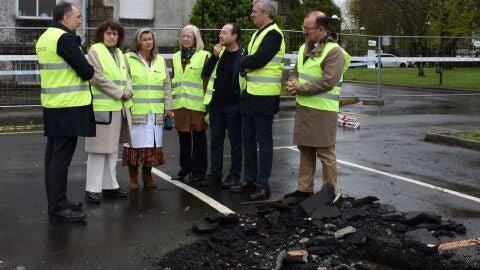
(450, 140)
(416, 87)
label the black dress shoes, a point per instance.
(298, 194)
(230, 181)
(74, 205)
(181, 175)
(92, 197)
(67, 215)
(115, 193)
(211, 180)
(260, 195)
(242, 186)
(196, 179)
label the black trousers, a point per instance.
(193, 160)
(257, 130)
(58, 155)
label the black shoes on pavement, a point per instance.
(211, 180)
(181, 175)
(230, 181)
(260, 195)
(242, 186)
(94, 197)
(67, 215)
(298, 194)
(115, 193)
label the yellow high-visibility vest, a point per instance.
(266, 81)
(311, 70)
(147, 85)
(117, 74)
(187, 85)
(61, 87)
(209, 94)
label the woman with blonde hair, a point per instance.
(188, 90)
(152, 100)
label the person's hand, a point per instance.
(127, 95)
(246, 70)
(170, 113)
(217, 49)
(292, 86)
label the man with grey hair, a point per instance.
(67, 105)
(316, 82)
(263, 68)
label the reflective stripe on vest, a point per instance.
(61, 87)
(187, 84)
(117, 74)
(310, 71)
(266, 81)
(211, 82)
(147, 85)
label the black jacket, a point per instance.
(252, 104)
(73, 121)
(213, 60)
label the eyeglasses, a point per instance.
(306, 29)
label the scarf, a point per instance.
(187, 53)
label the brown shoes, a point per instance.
(133, 173)
(147, 177)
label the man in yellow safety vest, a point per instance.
(263, 67)
(316, 82)
(67, 105)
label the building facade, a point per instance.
(164, 14)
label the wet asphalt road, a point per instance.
(130, 234)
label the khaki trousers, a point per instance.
(308, 162)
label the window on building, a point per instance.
(37, 9)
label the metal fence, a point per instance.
(436, 65)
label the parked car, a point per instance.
(390, 60)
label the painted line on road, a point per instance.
(406, 179)
(21, 132)
(208, 200)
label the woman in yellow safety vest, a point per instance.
(188, 90)
(152, 99)
(110, 94)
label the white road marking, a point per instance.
(406, 179)
(213, 203)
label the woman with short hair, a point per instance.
(110, 92)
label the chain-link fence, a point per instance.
(436, 65)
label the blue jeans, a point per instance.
(225, 119)
(258, 167)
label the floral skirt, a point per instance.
(149, 157)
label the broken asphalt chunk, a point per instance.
(422, 240)
(204, 227)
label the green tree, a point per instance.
(298, 10)
(218, 12)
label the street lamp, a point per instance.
(337, 21)
(360, 31)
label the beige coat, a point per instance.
(318, 128)
(108, 136)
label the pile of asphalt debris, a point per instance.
(315, 233)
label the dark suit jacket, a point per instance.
(74, 121)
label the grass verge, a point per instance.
(467, 135)
(461, 78)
